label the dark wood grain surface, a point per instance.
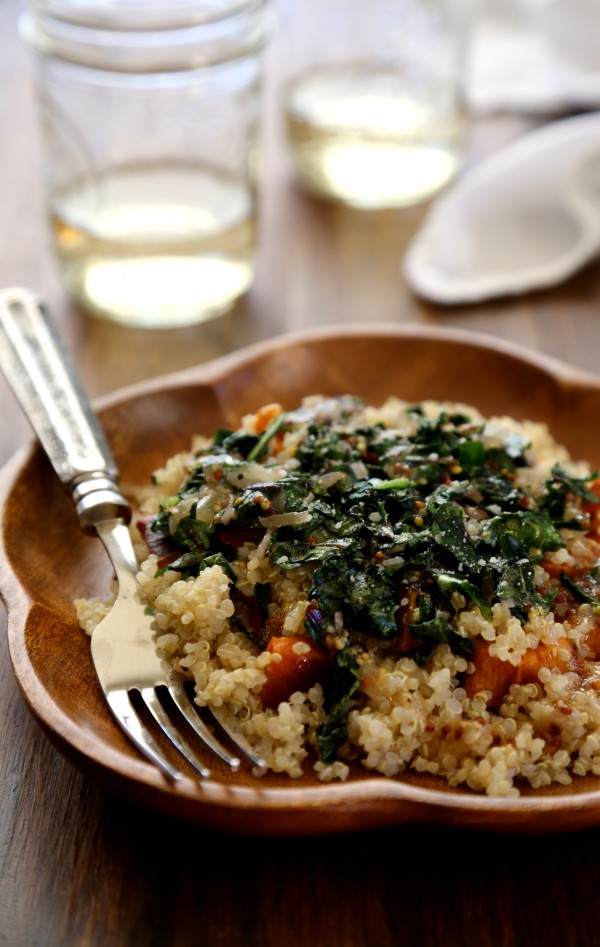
(80, 867)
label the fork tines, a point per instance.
(172, 711)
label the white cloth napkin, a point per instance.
(534, 55)
(525, 218)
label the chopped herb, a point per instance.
(584, 592)
(263, 441)
(343, 683)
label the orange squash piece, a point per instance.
(294, 672)
(492, 674)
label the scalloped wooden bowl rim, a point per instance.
(70, 708)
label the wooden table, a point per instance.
(80, 867)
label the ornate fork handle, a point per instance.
(41, 374)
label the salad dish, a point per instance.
(387, 585)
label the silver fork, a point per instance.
(142, 691)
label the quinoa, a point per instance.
(410, 587)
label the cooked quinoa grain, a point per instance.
(413, 587)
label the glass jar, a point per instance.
(374, 99)
(151, 115)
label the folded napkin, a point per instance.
(525, 218)
(534, 55)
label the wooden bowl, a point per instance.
(46, 562)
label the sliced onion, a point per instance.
(359, 470)
(284, 519)
(261, 549)
(180, 511)
(246, 475)
(328, 479)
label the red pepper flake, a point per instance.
(218, 475)
(524, 502)
(567, 711)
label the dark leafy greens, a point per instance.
(372, 513)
